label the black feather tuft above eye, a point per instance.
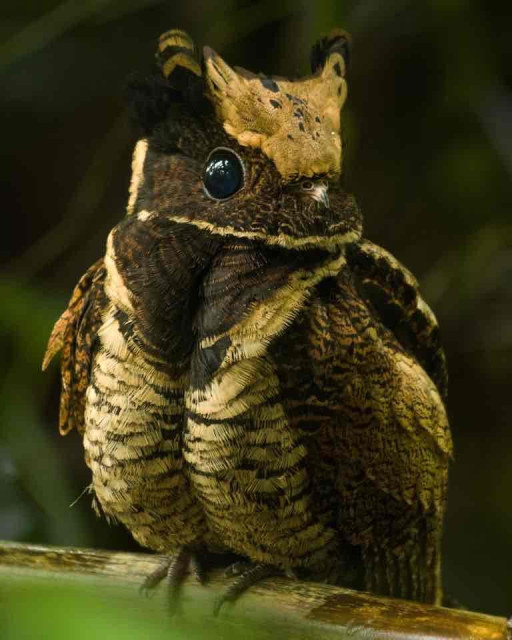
(150, 98)
(223, 174)
(153, 98)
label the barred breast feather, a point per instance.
(247, 461)
(137, 374)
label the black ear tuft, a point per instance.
(176, 57)
(338, 41)
(176, 50)
(150, 98)
(178, 82)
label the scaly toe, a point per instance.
(175, 570)
(252, 574)
(154, 579)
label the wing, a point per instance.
(75, 335)
(377, 437)
(349, 381)
(392, 447)
(394, 292)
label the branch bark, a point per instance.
(275, 608)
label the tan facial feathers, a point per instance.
(295, 123)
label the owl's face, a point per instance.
(245, 154)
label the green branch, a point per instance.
(101, 588)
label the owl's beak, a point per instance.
(319, 193)
(310, 188)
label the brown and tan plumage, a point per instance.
(250, 373)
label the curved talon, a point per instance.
(237, 568)
(154, 579)
(198, 570)
(176, 574)
(252, 574)
(175, 569)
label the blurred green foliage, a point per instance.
(42, 608)
(428, 139)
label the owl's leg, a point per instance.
(188, 559)
(248, 574)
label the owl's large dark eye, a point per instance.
(224, 174)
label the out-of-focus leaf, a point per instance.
(118, 10)
(86, 197)
(237, 24)
(83, 609)
(47, 27)
(27, 317)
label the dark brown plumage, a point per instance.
(248, 372)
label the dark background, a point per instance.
(428, 134)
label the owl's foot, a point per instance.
(248, 574)
(189, 559)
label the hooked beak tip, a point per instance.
(320, 195)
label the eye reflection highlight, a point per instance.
(223, 175)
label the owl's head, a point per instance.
(244, 154)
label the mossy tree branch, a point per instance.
(277, 608)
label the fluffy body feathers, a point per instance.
(251, 374)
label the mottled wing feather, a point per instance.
(394, 293)
(386, 449)
(74, 335)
